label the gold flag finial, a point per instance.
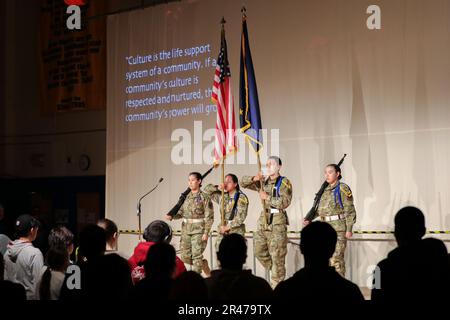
(244, 11)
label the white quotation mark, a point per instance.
(374, 20)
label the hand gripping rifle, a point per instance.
(183, 196)
(312, 214)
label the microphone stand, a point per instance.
(139, 206)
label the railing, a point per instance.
(295, 235)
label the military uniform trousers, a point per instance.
(338, 259)
(191, 244)
(270, 248)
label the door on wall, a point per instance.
(88, 208)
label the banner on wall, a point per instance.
(72, 63)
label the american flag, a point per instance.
(225, 139)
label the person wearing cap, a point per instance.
(271, 240)
(24, 262)
(336, 208)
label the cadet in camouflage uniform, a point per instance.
(236, 206)
(336, 207)
(198, 216)
(270, 246)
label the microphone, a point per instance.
(140, 199)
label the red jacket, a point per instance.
(137, 260)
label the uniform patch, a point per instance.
(346, 190)
(198, 199)
(244, 199)
(287, 184)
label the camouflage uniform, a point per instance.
(270, 246)
(198, 216)
(237, 223)
(341, 215)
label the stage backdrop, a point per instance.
(328, 85)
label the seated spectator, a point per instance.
(52, 279)
(92, 248)
(92, 243)
(417, 269)
(189, 286)
(397, 270)
(159, 268)
(317, 281)
(156, 232)
(111, 279)
(61, 237)
(112, 234)
(436, 265)
(24, 262)
(10, 291)
(231, 282)
(4, 241)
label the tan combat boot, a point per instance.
(205, 268)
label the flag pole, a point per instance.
(261, 189)
(222, 206)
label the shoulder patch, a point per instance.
(243, 198)
(287, 183)
(346, 190)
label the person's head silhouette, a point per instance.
(158, 231)
(112, 277)
(317, 243)
(161, 260)
(409, 226)
(92, 242)
(189, 286)
(435, 253)
(232, 252)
